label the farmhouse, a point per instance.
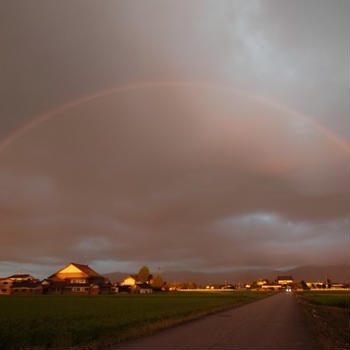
(262, 282)
(131, 284)
(20, 284)
(142, 288)
(130, 280)
(76, 279)
(285, 280)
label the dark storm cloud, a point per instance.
(294, 52)
(153, 175)
(186, 176)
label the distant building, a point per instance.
(339, 286)
(76, 279)
(130, 280)
(20, 284)
(262, 282)
(131, 284)
(142, 288)
(227, 286)
(285, 280)
(326, 285)
(316, 285)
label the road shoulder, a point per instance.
(331, 325)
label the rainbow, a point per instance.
(41, 118)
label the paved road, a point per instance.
(272, 323)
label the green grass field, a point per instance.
(328, 298)
(62, 321)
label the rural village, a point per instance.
(82, 280)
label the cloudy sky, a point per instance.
(198, 135)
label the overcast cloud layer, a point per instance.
(174, 175)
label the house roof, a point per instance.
(284, 278)
(88, 270)
(75, 270)
(20, 275)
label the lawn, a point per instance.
(62, 321)
(328, 298)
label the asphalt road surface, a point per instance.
(273, 323)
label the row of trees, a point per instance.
(145, 276)
(157, 281)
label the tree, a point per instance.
(192, 285)
(304, 285)
(157, 282)
(254, 285)
(143, 274)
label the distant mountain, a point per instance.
(336, 273)
(116, 276)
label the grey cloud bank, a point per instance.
(185, 176)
